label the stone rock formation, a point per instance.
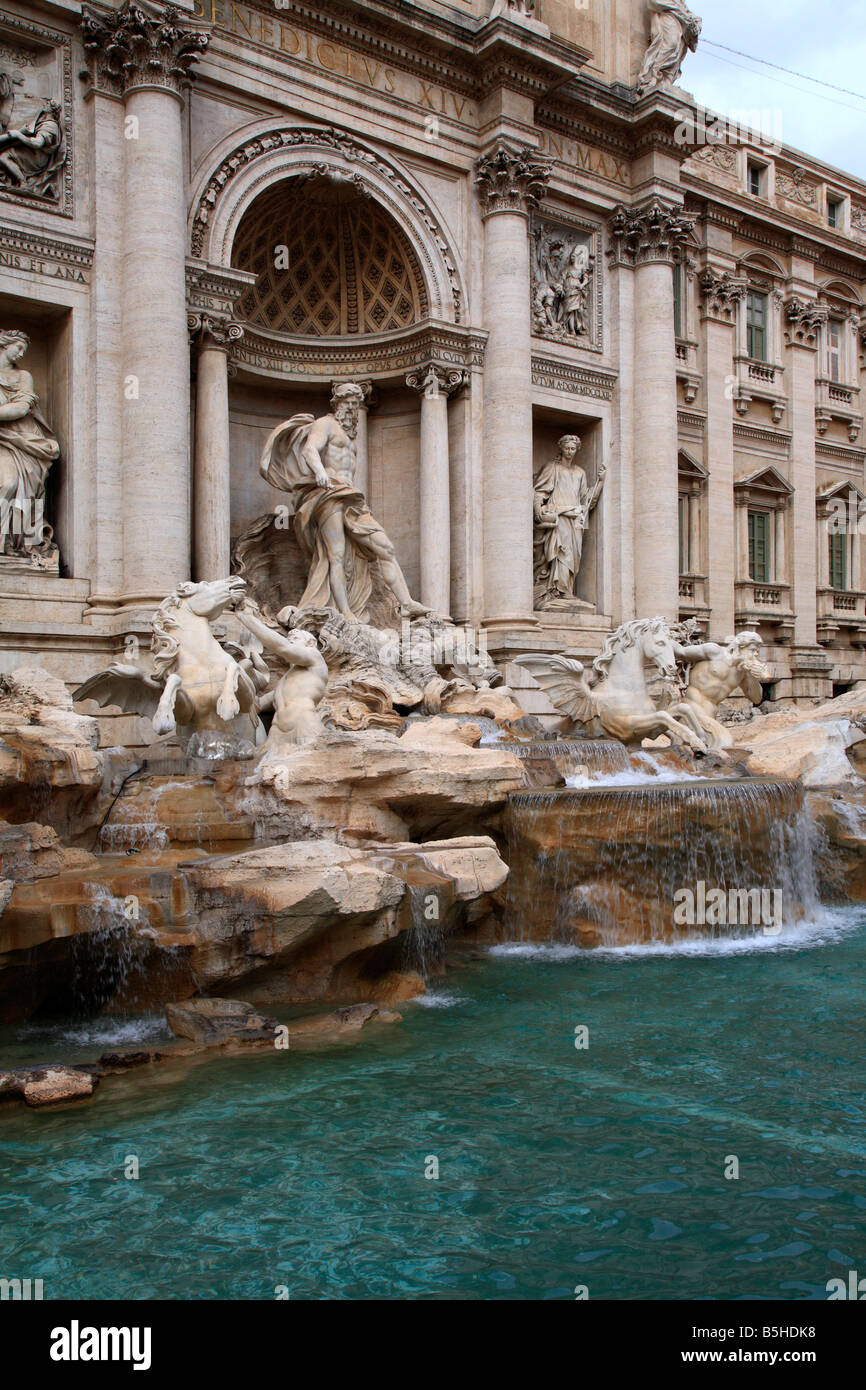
(211, 1020)
(48, 753)
(378, 786)
(811, 744)
(287, 923)
(48, 1085)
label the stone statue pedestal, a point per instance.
(558, 606)
(22, 564)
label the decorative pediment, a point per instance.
(842, 503)
(764, 484)
(689, 468)
(824, 492)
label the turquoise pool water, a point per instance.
(558, 1167)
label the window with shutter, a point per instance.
(838, 560)
(759, 546)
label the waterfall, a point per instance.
(424, 911)
(132, 835)
(581, 758)
(109, 951)
(605, 865)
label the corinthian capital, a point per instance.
(141, 45)
(803, 318)
(510, 180)
(654, 232)
(720, 292)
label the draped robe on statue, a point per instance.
(284, 466)
(560, 489)
(27, 451)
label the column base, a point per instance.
(519, 620)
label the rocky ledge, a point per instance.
(206, 1026)
(289, 924)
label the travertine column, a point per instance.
(802, 320)
(106, 339)
(780, 570)
(435, 384)
(211, 497)
(720, 293)
(695, 531)
(509, 181)
(648, 239)
(742, 530)
(144, 52)
(620, 482)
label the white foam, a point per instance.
(531, 950)
(824, 928)
(439, 1000)
(102, 1032)
(650, 774)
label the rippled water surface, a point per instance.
(558, 1167)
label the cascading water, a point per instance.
(608, 865)
(109, 952)
(423, 913)
(578, 757)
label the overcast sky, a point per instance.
(822, 38)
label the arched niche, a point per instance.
(329, 261)
(242, 170)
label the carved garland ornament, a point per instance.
(327, 138)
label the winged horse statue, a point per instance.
(193, 681)
(614, 699)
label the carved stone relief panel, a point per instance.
(566, 287)
(35, 115)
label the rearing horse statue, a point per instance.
(194, 682)
(615, 699)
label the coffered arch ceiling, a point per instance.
(329, 259)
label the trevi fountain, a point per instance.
(357, 942)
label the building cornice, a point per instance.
(555, 374)
(377, 357)
(471, 55)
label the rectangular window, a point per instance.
(759, 546)
(834, 212)
(684, 535)
(838, 560)
(756, 179)
(756, 326)
(834, 349)
(678, 301)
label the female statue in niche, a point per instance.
(563, 505)
(27, 451)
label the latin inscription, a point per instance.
(292, 42)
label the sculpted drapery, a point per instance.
(563, 503)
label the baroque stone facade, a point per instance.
(237, 206)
